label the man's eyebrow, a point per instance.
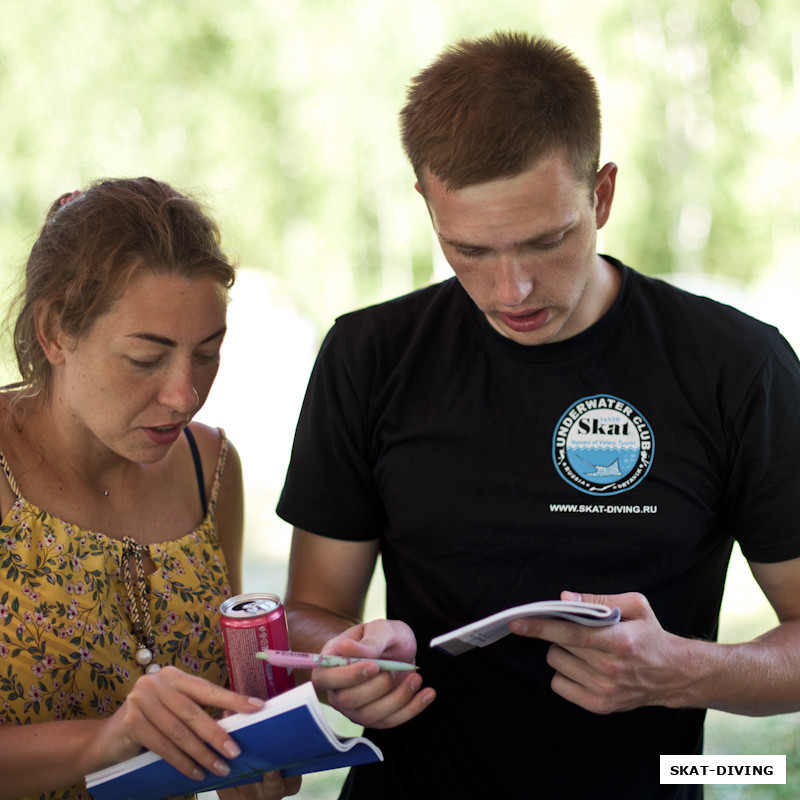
(459, 244)
(557, 230)
(167, 342)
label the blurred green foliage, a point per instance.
(283, 116)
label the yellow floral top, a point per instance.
(66, 645)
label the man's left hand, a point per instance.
(615, 668)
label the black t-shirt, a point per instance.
(627, 458)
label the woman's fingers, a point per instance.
(166, 713)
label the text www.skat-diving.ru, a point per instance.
(611, 508)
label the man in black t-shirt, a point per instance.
(547, 423)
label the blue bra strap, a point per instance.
(198, 468)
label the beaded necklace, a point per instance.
(136, 587)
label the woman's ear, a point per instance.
(49, 338)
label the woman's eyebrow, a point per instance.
(167, 342)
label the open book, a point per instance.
(490, 629)
(290, 733)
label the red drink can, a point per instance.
(250, 623)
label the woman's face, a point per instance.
(132, 383)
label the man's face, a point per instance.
(524, 248)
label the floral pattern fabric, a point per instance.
(66, 646)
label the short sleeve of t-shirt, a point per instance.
(329, 489)
(763, 497)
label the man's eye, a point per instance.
(549, 244)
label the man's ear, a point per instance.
(418, 187)
(604, 193)
(50, 340)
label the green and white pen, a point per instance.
(290, 658)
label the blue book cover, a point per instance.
(290, 733)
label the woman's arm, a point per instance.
(164, 712)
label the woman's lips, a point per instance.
(164, 434)
(526, 321)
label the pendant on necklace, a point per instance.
(144, 657)
(144, 653)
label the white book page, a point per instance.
(488, 630)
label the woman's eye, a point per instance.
(207, 358)
(141, 364)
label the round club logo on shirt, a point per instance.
(603, 445)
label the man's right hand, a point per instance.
(362, 692)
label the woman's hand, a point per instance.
(166, 712)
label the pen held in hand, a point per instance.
(290, 658)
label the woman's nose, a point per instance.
(180, 393)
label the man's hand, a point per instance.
(362, 692)
(616, 668)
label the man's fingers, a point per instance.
(373, 706)
(632, 605)
(356, 695)
(581, 696)
(418, 703)
(567, 634)
(335, 678)
(376, 639)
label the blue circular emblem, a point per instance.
(603, 445)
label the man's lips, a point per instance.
(526, 321)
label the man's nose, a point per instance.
(513, 283)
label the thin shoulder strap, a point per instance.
(9, 477)
(223, 454)
(198, 468)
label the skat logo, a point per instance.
(603, 445)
